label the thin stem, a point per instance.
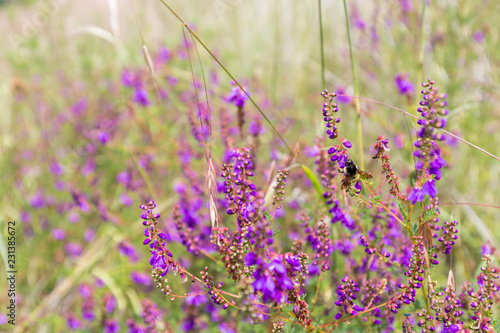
(468, 204)
(370, 189)
(440, 129)
(321, 45)
(422, 40)
(359, 313)
(194, 86)
(232, 78)
(356, 92)
(317, 294)
(424, 293)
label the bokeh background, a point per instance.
(56, 54)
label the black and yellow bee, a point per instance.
(352, 174)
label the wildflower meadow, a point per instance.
(250, 166)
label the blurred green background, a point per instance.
(274, 47)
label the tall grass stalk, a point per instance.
(422, 42)
(322, 50)
(231, 76)
(356, 90)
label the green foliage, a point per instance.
(279, 58)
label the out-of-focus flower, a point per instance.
(237, 96)
(141, 97)
(58, 234)
(404, 85)
(73, 249)
(478, 36)
(342, 98)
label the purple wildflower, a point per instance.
(129, 79)
(342, 98)
(89, 235)
(73, 323)
(103, 137)
(125, 179)
(404, 85)
(37, 200)
(74, 217)
(140, 278)
(126, 200)
(172, 80)
(329, 110)
(79, 107)
(127, 249)
(141, 97)
(164, 55)
(198, 297)
(109, 302)
(429, 188)
(111, 326)
(56, 169)
(73, 249)
(429, 161)
(416, 195)
(237, 96)
(346, 293)
(58, 234)
(478, 36)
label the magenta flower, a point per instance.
(141, 97)
(237, 96)
(73, 249)
(429, 188)
(89, 235)
(416, 195)
(140, 278)
(74, 217)
(164, 55)
(37, 200)
(341, 95)
(103, 137)
(109, 302)
(124, 178)
(404, 85)
(73, 323)
(198, 297)
(478, 36)
(56, 169)
(85, 290)
(130, 79)
(126, 249)
(58, 234)
(172, 80)
(126, 200)
(80, 107)
(111, 326)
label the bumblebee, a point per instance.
(352, 174)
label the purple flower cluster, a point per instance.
(329, 110)
(272, 278)
(161, 258)
(97, 153)
(239, 189)
(404, 85)
(237, 96)
(319, 239)
(135, 80)
(429, 160)
(347, 296)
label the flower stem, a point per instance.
(421, 52)
(356, 91)
(229, 74)
(323, 81)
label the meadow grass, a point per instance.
(273, 48)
